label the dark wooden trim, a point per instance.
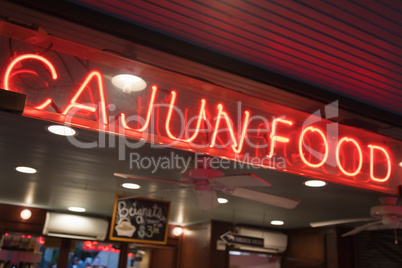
(124, 247)
(64, 251)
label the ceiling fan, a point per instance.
(388, 215)
(205, 181)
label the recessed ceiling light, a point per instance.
(129, 83)
(26, 214)
(28, 170)
(222, 200)
(131, 186)
(61, 130)
(76, 209)
(276, 222)
(315, 183)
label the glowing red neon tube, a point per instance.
(338, 161)
(201, 116)
(388, 162)
(223, 114)
(236, 146)
(324, 159)
(73, 103)
(243, 133)
(274, 138)
(149, 113)
(32, 57)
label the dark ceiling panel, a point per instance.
(353, 48)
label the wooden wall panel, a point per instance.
(195, 251)
(163, 257)
(10, 220)
(306, 248)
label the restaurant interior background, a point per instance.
(292, 57)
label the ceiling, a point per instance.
(350, 48)
(353, 48)
(71, 176)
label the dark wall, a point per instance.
(378, 249)
(219, 258)
(10, 220)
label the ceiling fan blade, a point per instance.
(397, 225)
(265, 198)
(134, 177)
(362, 228)
(154, 192)
(335, 222)
(242, 180)
(207, 199)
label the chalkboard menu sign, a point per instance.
(140, 220)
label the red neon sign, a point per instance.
(94, 245)
(196, 116)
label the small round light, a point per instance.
(400, 164)
(130, 186)
(61, 130)
(26, 214)
(177, 231)
(76, 209)
(129, 83)
(28, 170)
(222, 200)
(315, 183)
(277, 222)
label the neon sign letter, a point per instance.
(313, 129)
(223, 114)
(274, 138)
(169, 117)
(32, 57)
(374, 178)
(148, 119)
(338, 161)
(243, 133)
(236, 147)
(73, 103)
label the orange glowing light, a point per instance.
(274, 138)
(338, 161)
(324, 159)
(149, 113)
(73, 103)
(388, 161)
